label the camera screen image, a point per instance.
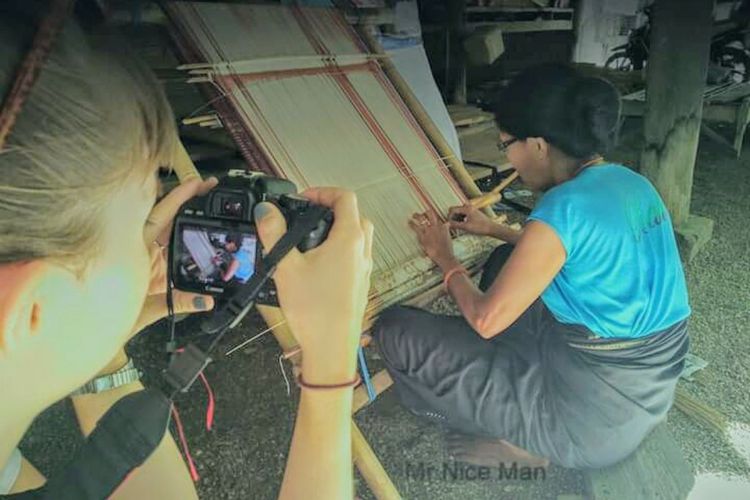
(212, 256)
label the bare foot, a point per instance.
(489, 452)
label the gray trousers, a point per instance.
(550, 388)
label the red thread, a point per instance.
(398, 101)
(185, 450)
(211, 405)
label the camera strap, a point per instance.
(129, 432)
(122, 440)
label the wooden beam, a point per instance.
(381, 382)
(455, 27)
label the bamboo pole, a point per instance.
(369, 466)
(494, 196)
(456, 166)
(698, 411)
(192, 120)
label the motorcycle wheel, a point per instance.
(619, 62)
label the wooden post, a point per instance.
(677, 66)
(456, 85)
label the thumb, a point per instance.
(270, 223)
(155, 307)
(191, 302)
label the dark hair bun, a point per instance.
(595, 107)
(578, 115)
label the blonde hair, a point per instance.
(95, 119)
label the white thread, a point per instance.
(283, 373)
(252, 339)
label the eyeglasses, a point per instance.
(504, 145)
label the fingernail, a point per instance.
(199, 302)
(261, 210)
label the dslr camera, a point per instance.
(215, 248)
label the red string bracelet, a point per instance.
(326, 387)
(451, 273)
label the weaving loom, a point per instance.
(304, 99)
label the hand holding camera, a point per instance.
(322, 282)
(323, 292)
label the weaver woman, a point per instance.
(570, 348)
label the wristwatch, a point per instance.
(125, 375)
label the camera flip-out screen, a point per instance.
(213, 259)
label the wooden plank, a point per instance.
(463, 115)
(500, 9)
(725, 113)
(656, 470)
(527, 26)
(475, 129)
(381, 381)
(735, 92)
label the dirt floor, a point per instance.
(243, 456)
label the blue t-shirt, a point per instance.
(622, 277)
(247, 265)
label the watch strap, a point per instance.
(125, 375)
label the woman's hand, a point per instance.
(435, 239)
(323, 292)
(469, 219)
(156, 234)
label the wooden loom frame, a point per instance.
(364, 457)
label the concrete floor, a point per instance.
(243, 457)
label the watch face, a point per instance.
(123, 376)
(103, 383)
